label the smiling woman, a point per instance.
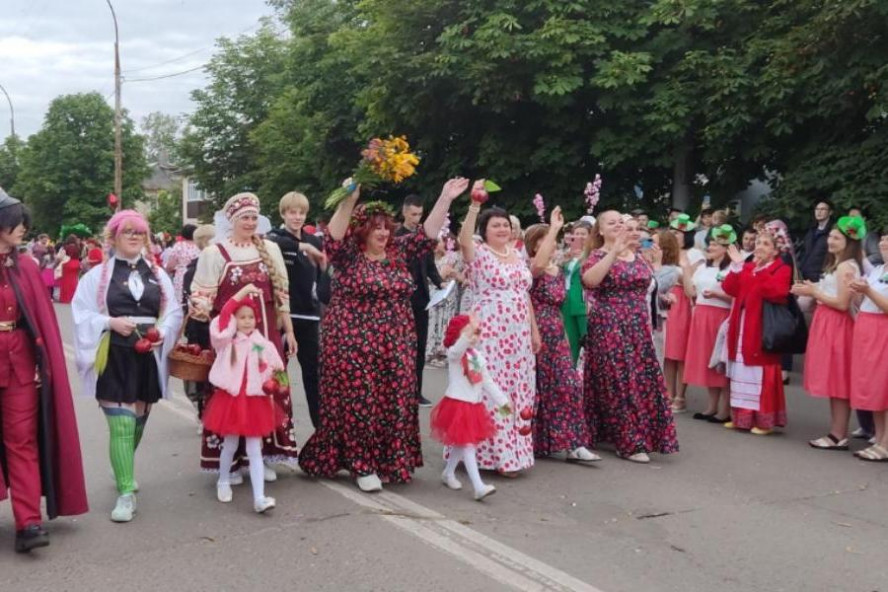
(36, 460)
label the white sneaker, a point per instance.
(223, 492)
(124, 509)
(263, 504)
(236, 478)
(480, 494)
(638, 457)
(450, 481)
(270, 474)
(582, 455)
(369, 483)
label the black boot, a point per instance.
(31, 537)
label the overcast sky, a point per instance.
(54, 47)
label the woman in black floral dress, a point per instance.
(369, 416)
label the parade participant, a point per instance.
(664, 261)
(369, 416)
(712, 307)
(125, 324)
(678, 319)
(450, 268)
(68, 269)
(461, 420)
(625, 395)
(573, 311)
(39, 444)
(500, 281)
(179, 256)
(559, 420)
(306, 263)
(869, 350)
(757, 399)
(197, 330)
(240, 406)
(828, 357)
(238, 258)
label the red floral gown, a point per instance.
(624, 389)
(280, 445)
(559, 423)
(369, 412)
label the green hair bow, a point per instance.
(852, 226)
(683, 222)
(723, 235)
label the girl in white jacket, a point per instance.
(461, 420)
(242, 405)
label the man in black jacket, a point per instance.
(423, 271)
(306, 264)
(814, 243)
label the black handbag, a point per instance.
(784, 330)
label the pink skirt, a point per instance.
(705, 323)
(869, 362)
(678, 326)
(243, 415)
(458, 423)
(828, 357)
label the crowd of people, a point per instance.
(561, 341)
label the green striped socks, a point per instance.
(122, 427)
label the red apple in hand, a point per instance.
(270, 386)
(524, 430)
(142, 346)
(152, 334)
(526, 414)
(480, 195)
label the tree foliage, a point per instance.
(10, 160)
(166, 215)
(67, 168)
(161, 132)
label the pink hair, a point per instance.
(121, 220)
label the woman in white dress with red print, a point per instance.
(500, 282)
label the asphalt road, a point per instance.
(730, 512)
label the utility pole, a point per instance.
(11, 110)
(118, 141)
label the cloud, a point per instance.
(54, 47)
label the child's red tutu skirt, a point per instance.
(244, 415)
(458, 423)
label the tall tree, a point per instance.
(10, 160)
(68, 166)
(161, 132)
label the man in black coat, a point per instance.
(814, 243)
(423, 271)
(306, 264)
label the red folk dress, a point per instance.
(369, 411)
(280, 445)
(761, 397)
(68, 283)
(625, 394)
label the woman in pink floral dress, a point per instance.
(500, 280)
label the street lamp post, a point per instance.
(11, 110)
(118, 142)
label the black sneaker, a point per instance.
(31, 537)
(423, 402)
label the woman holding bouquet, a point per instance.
(369, 418)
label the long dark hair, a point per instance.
(12, 216)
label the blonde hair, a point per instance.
(203, 234)
(293, 201)
(719, 217)
(279, 282)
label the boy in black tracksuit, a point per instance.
(306, 266)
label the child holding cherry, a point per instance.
(461, 420)
(243, 375)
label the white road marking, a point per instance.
(498, 561)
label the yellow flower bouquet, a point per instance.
(382, 161)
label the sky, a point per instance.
(55, 47)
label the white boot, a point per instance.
(270, 474)
(125, 508)
(263, 504)
(480, 494)
(450, 481)
(223, 492)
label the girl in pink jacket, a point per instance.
(240, 407)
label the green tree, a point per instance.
(67, 169)
(161, 132)
(10, 160)
(166, 216)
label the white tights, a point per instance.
(254, 453)
(466, 454)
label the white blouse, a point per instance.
(211, 264)
(878, 281)
(709, 278)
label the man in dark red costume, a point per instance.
(39, 445)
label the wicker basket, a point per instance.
(186, 366)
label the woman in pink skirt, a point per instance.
(678, 319)
(869, 351)
(711, 310)
(828, 358)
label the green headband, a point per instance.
(852, 226)
(723, 235)
(683, 223)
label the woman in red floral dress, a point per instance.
(369, 416)
(626, 401)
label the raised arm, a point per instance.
(467, 232)
(546, 248)
(338, 225)
(451, 190)
(593, 276)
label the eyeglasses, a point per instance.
(821, 209)
(129, 233)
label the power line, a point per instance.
(201, 67)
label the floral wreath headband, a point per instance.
(366, 211)
(240, 205)
(852, 226)
(723, 235)
(683, 223)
